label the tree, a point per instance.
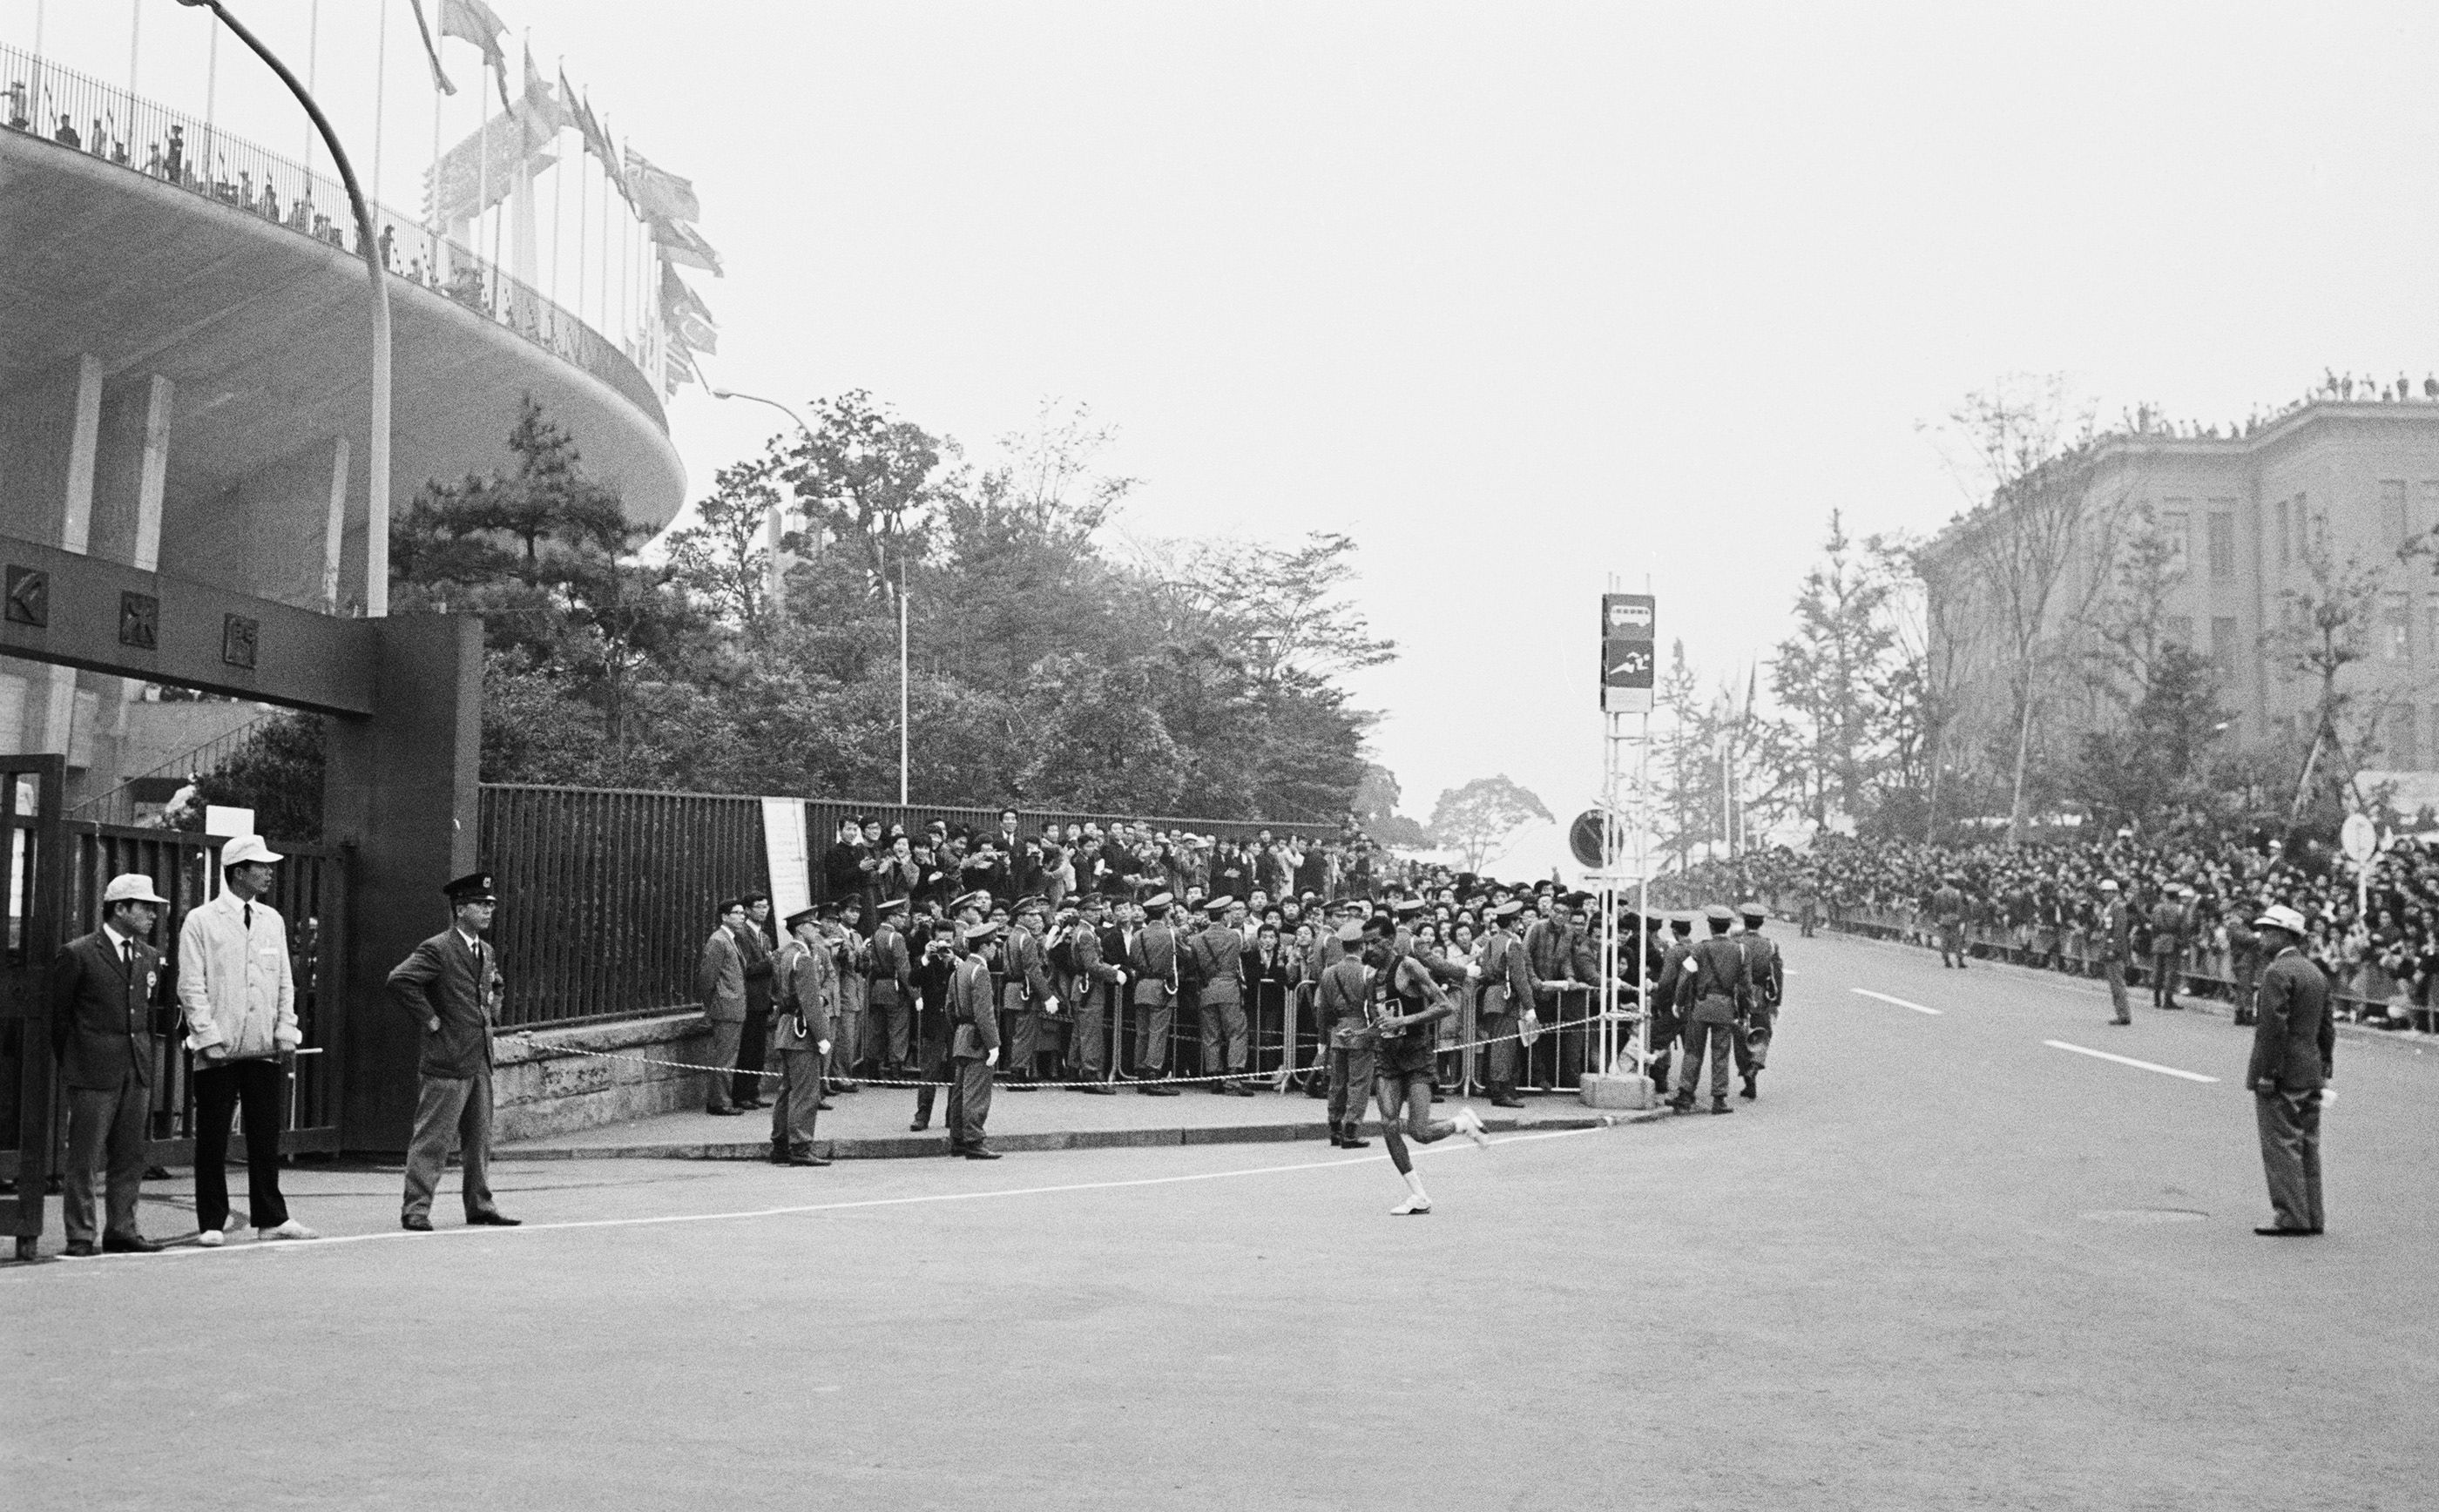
(725, 560)
(866, 477)
(1376, 810)
(2324, 629)
(2042, 464)
(1832, 674)
(1479, 821)
(2154, 768)
(276, 772)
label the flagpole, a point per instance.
(381, 91)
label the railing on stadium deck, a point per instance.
(2075, 952)
(115, 126)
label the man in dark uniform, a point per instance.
(934, 968)
(1152, 964)
(1711, 989)
(2294, 1043)
(1767, 977)
(1507, 990)
(2171, 917)
(1219, 952)
(1338, 1007)
(2244, 949)
(2116, 946)
(804, 977)
(450, 985)
(1093, 986)
(1948, 914)
(104, 988)
(753, 944)
(1027, 996)
(975, 1047)
(1667, 1024)
(887, 994)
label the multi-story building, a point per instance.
(2353, 481)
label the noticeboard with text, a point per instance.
(1629, 654)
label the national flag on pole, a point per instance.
(678, 300)
(473, 21)
(679, 244)
(597, 137)
(542, 117)
(661, 195)
(432, 51)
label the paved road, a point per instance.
(1941, 1264)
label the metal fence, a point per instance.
(41, 99)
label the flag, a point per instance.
(540, 115)
(432, 51)
(679, 244)
(597, 137)
(678, 300)
(454, 185)
(660, 195)
(473, 21)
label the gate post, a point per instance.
(401, 788)
(29, 982)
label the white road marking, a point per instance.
(1864, 991)
(2128, 1060)
(186, 1251)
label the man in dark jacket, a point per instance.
(103, 990)
(451, 984)
(2294, 1042)
(1715, 991)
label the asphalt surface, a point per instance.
(1940, 1264)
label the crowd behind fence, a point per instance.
(40, 98)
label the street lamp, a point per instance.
(377, 447)
(776, 592)
(774, 587)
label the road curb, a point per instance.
(913, 1146)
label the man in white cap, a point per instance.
(2116, 943)
(104, 987)
(2293, 1043)
(239, 995)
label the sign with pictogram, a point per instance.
(1628, 655)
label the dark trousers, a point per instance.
(2289, 1123)
(746, 1086)
(1022, 1033)
(1714, 1037)
(897, 1030)
(2163, 977)
(1499, 1029)
(1350, 1083)
(2113, 971)
(256, 1087)
(1088, 1043)
(970, 1106)
(1224, 1038)
(793, 1110)
(105, 1124)
(932, 1064)
(447, 1108)
(1152, 1038)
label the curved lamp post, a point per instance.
(377, 446)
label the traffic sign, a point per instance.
(1585, 837)
(2360, 837)
(1630, 660)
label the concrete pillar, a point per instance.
(130, 473)
(49, 436)
(399, 791)
(270, 534)
(335, 529)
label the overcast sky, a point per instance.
(1521, 295)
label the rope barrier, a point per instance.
(1280, 1076)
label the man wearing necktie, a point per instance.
(451, 984)
(104, 987)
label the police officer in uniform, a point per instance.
(1027, 996)
(1768, 975)
(2171, 918)
(1948, 912)
(1153, 963)
(1339, 1007)
(2293, 1043)
(2116, 946)
(975, 1047)
(1712, 989)
(451, 984)
(805, 995)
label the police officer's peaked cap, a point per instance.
(474, 887)
(972, 900)
(980, 931)
(889, 906)
(1032, 902)
(1719, 913)
(1349, 934)
(1217, 905)
(1506, 909)
(1753, 911)
(799, 916)
(1409, 905)
(1682, 923)
(1158, 903)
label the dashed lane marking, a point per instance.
(1868, 992)
(2128, 1060)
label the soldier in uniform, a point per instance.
(1027, 995)
(974, 1047)
(1506, 988)
(805, 995)
(1153, 963)
(1090, 986)
(1948, 913)
(2294, 1042)
(1711, 990)
(2116, 946)
(883, 1009)
(1219, 952)
(2171, 917)
(451, 984)
(1338, 1007)
(1767, 977)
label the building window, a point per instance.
(2222, 647)
(2222, 545)
(2425, 505)
(2302, 528)
(2395, 629)
(2392, 509)
(2283, 554)
(2176, 523)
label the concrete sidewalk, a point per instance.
(872, 1125)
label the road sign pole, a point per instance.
(1627, 663)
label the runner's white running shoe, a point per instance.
(290, 1230)
(1468, 1123)
(1410, 1207)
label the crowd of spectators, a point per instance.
(2040, 903)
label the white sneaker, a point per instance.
(1410, 1207)
(210, 1238)
(1468, 1123)
(290, 1230)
